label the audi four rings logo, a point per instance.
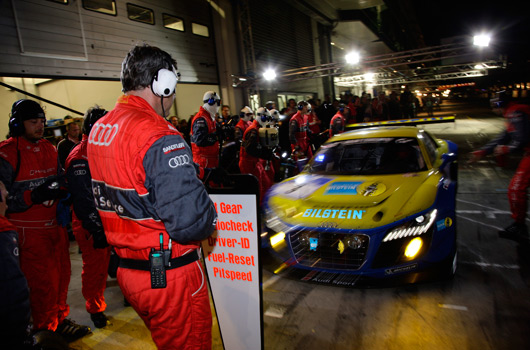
(179, 160)
(103, 134)
(329, 225)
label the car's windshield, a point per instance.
(372, 156)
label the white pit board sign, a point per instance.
(234, 273)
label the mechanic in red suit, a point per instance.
(148, 195)
(338, 122)
(86, 224)
(246, 117)
(204, 135)
(30, 170)
(252, 151)
(515, 138)
(298, 132)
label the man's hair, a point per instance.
(141, 65)
(92, 115)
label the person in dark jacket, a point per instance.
(14, 292)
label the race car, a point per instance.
(374, 202)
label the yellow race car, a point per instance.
(374, 202)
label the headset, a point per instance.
(301, 105)
(342, 107)
(164, 82)
(213, 100)
(20, 111)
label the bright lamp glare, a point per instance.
(269, 74)
(352, 58)
(277, 239)
(369, 77)
(413, 247)
(482, 40)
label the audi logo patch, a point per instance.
(179, 160)
(103, 134)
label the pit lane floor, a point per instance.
(485, 306)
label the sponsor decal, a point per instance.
(334, 213)
(79, 172)
(103, 134)
(313, 243)
(371, 189)
(444, 223)
(179, 160)
(328, 224)
(174, 147)
(340, 247)
(401, 269)
(343, 188)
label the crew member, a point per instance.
(30, 170)
(204, 136)
(86, 224)
(246, 117)
(253, 151)
(298, 132)
(65, 145)
(154, 209)
(338, 122)
(313, 124)
(515, 138)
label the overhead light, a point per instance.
(352, 58)
(369, 77)
(482, 40)
(269, 74)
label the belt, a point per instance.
(144, 265)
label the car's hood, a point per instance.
(351, 202)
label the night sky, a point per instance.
(507, 21)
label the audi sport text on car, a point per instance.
(376, 202)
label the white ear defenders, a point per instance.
(164, 83)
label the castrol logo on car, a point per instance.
(103, 134)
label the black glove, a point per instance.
(217, 175)
(100, 240)
(49, 190)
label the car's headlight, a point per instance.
(416, 227)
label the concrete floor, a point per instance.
(127, 330)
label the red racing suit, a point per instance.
(515, 138)
(145, 185)
(298, 130)
(240, 128)
(86, 225)
(44, 254)
(251, 154)
(337, 123)
(204, 140)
